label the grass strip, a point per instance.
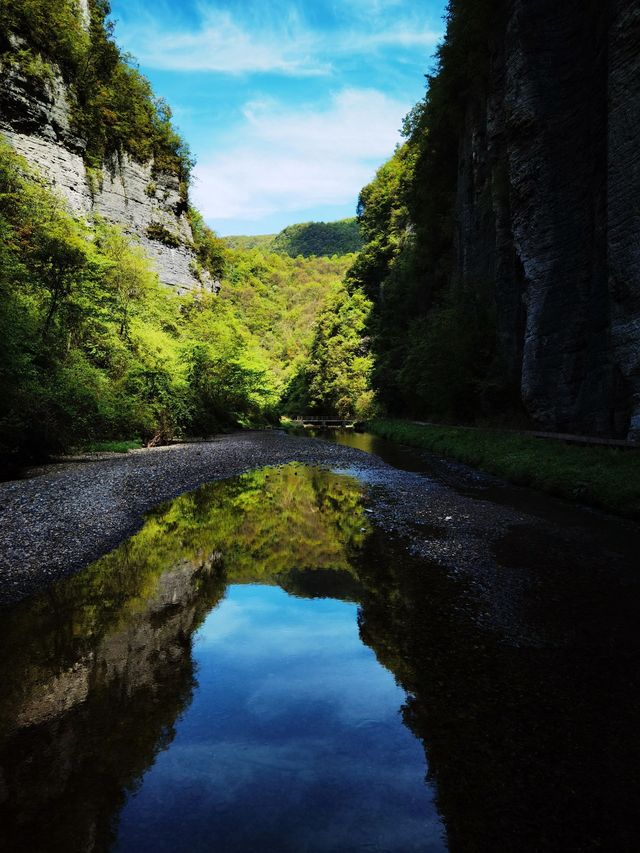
(603, 477)
(113, 446)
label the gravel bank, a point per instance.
(69, 515)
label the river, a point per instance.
(263, 667)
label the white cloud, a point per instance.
(222, 45)
(277, 42)
(284, 159)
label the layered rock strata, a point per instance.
(546, 207)
(35, 117)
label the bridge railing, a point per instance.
(322, 420)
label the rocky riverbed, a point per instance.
(67, 515)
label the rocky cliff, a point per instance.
(546, 206)
(36, 118)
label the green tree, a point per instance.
(337, 372)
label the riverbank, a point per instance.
(601, 477)
(69, 514)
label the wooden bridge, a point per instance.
(328, 421)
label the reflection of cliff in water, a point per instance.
(96, 671)
(532, 743)
(531, 746)
(87, 726)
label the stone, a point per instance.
(35, 118)
(546, 210)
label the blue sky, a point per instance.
(288, 105)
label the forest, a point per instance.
(306, 239)
(434, 334)
(362, 317)
(94, 348)
(94, 351)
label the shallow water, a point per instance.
(293, 740)
(261, 669)
(205, 686)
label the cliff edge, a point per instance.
(41, 105)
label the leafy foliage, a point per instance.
(158, 231)
(307, 239)
(114, 108)
(254, 241)
(335, 378)
(210, 249)
(319, 239)
(278, 300)
(92, 347)
(433, 338)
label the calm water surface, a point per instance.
(260, 669)
(293, 740)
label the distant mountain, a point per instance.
(256, 241)
(319, 238)
(322, 239)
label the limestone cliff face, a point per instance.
(548, 182)
(83, 735)
(35, 117)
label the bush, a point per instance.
(93, 348)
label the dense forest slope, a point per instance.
(253, 241)
(307, 327)
(95, 222)
(502, 239)
(319, 238)
(308, 239)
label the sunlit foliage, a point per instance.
(319, 238)
(335, 377)
(279, 299)
(92, 346)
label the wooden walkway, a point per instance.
(322, 421)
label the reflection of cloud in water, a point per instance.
(326, 661)
(293, 733)
(228, 778)
(260, 607)
(292, 739)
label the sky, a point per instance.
(289, 106)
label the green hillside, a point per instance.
(319, 238)
(254, 241)
(307, 239)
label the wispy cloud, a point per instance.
(222, 45)
(278, 40)
(285, 159)
(290, 106)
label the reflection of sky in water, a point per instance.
(293, 741)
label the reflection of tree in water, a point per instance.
(274, 520)
(96, 671)
(530, 748)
